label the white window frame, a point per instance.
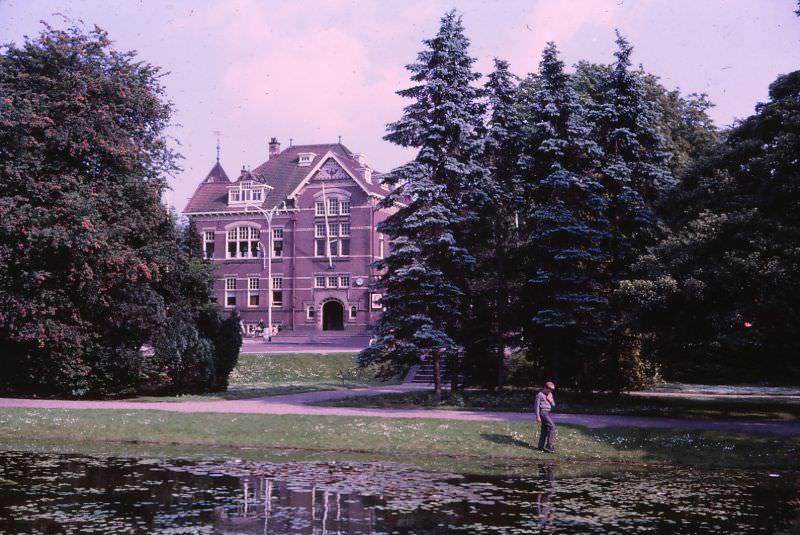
(253, 290)
(230, 291)
(304, 159)
(249, 234)
(344, 281)
(311, 312)
(277, 289)
(209, 238)
(333, 206)
(344, 207)
(317, 281)
(277, 239)
(247, 192)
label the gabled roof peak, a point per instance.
(217, 174)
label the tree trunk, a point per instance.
(501, 302)
(454, 366)
(556, 357)
(437, 378)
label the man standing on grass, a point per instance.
(542, 406)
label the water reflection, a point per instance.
(49, 493)
(544, 499)
(268, 506)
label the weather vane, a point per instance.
(218, 134)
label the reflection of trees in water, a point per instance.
(270, 506)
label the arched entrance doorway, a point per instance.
(332, 316)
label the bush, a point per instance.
(227, 344)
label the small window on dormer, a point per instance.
(305, 158)
(234, 195)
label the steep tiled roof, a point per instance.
(282, 173)
(212, 192)
(217, 174)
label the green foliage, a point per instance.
(684, 125)
(228, 342)
(91, 267)
(720, 296)
(442, 191)
(565, 230)
(487, 319)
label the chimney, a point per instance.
(274, 148)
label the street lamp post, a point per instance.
(268, 215)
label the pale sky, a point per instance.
(316, 70)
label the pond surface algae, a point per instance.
(48, 492)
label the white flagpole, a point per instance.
(327, 228)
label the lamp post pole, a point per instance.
(268, 214)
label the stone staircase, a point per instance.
(423, 374)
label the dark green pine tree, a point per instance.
(635, 178)
(438, 195)
(488, 316)
(683, 121)
(566, 230)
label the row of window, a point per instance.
(243, 242)
(254, 287)
(335, 207)
(253, 292)
(332, 281)
(311, 312)
(333, 230)
(336, 247)
(246, 192)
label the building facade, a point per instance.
(303, 223)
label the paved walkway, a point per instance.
(304, 345)
(298, 404)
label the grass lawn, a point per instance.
(259, 374)
(521, 399)
(420, 442)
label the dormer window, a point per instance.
(304, 159)
(247, 192)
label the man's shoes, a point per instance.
(549, 450)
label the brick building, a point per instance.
(321, 202)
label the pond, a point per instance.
(59, 493)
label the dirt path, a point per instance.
(298, 404)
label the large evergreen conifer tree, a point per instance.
(566, 229)
(438, 195)
(635, 178)
(487, 316)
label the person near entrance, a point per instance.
(544, 403)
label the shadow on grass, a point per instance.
(507, 440)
